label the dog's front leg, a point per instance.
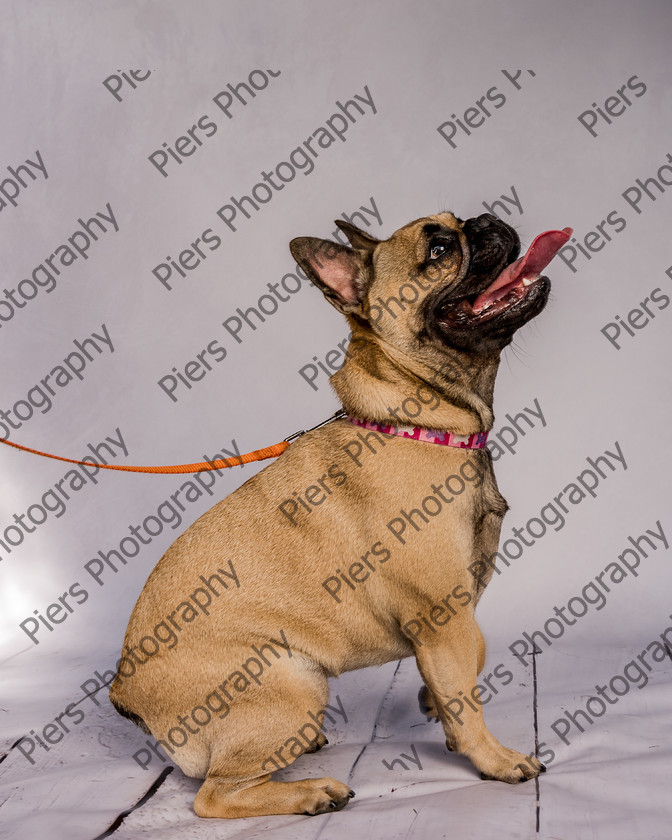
(449, 667)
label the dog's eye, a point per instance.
(436, 251)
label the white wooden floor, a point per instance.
(611, 782)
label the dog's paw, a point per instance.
(510, 766)
(326, 795)
(427, 704)
(320, 741)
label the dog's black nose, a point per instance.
(486, 229)
(479, 223)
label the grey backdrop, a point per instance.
(71, 106)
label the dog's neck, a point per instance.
(373, 386)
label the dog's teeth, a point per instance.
(527, 281)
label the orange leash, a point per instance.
(202, 466)
(222, 463)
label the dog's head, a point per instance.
(438, 283)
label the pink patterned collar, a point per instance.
(475, 441)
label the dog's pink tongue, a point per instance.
(527, 267)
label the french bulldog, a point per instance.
(362, 543)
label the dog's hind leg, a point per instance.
(261, 797)
(280, 722)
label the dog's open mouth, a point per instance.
(514, 284)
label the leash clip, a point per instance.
(335, 416)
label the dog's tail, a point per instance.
(126, 712)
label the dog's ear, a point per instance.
(356, 237)
(342, 274)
